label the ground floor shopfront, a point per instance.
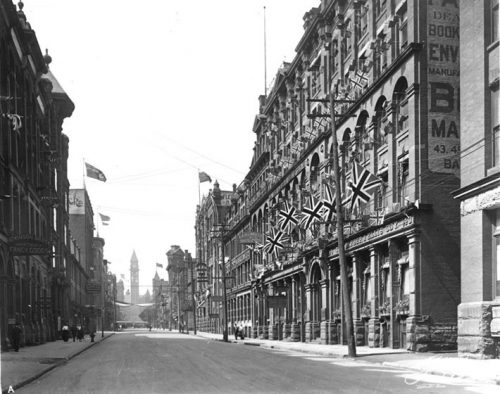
(479, 310)
(34, 297)
(401, 290)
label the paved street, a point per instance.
(159, 362)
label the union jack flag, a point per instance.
(288, 218)
(362, 78)
(329, 205)
(257, 247)
(361, 184)
(311, 213)
(274, 241)
(355, 82)
(376, 218)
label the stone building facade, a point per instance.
(479, 193)
(393, 69)
(34, 237)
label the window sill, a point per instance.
(493, 170)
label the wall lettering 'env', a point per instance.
(443, 86)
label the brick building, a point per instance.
(397, 65)
(34, 236)
(479, 193)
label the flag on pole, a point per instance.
(288, 218)
(360, 185)
(329, 205)
(159, 265)
(311, 213)
(95, 173)
(274, 241)
(105, 219)
(204, 177)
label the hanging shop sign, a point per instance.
(93, 287)
(250, 238)
(277, 301)
(25, 245)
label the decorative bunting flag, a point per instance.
(329, 205)
(274, 241)
(311, 213)
(360, 185)
(95, 173)
(204, 177)
(288, 218)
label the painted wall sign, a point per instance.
(76, 202)
(373, 236)
(443, 86)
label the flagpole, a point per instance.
(84, 186)
(265, 54)
(199, 192)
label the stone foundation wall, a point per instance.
(474, 333)
(295, 332)
(373, 333)
(359, 332)
(422, 335)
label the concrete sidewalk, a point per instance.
(31, 362)
(442, 364)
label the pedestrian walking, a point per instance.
(236, 331)
(65, 333)
(79, 333)
(74, 332)
(16, 336)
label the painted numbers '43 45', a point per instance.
(441, 148)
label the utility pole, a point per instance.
(351, 344)
(191, 263)
(224, 290)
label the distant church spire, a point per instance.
(134, 279)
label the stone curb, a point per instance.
(48, 369)
(439, 373)
(384, 363)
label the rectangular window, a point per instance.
(494, 21)
(496, 262)
(495, 127)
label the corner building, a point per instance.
(34, 237)
(397, 65)
(479, 193)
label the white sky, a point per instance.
(162, 88)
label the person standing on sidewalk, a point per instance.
(16, 336)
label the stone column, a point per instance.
(412, 337)
(295, 326)
(307, 313)
(374, 324)
(325, 311)
(394, 288)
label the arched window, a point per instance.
(314, 173)
(400, 106)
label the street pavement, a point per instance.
(439, 363)
(143, 361)
(20, 368)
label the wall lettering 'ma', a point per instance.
(443, 86)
